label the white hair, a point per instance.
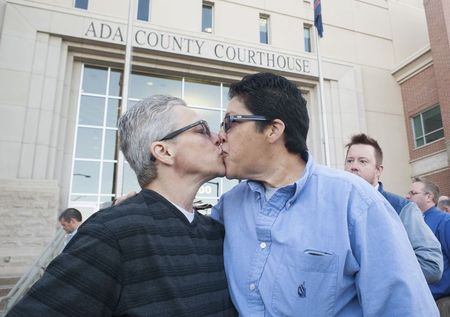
(147, 121)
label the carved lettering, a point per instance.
(199, 45)
(216, 50)
(105, 31)
(118, 34)
(91, 30)
(137, 37)
(306, 66)
(178, 44)
(165, 41)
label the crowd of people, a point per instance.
(293, 238)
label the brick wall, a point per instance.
(418, 94)
(431, 87)
(441, 179)
(438, 21)
(28, 214)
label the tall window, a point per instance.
(81, 4)
(95, 154)
(264, 29)
(96, 174)
(207, 17)
(427, 126)
(143, 10)
(307, 37)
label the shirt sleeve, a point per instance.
(425, 244)
(217, 211)
(84, 280)
(390, 282)
(443, 233)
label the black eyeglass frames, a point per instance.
(229, 119)
(205, 130)
(202, 123)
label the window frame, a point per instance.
(266, 17)
(422, 126)
(75, 2)
(309, 28)
(207, 4)
(148, 13)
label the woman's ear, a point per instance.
(162, 152)
(275, 130)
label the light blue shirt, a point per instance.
(327, 245)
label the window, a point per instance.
(143, 10)
(427, 126)
(207, 16)
(81, 4)
(97, 169)
(264, 29)
(307, 37)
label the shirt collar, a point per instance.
(295, 187)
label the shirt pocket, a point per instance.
(305, 284)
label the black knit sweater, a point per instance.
(141, 258)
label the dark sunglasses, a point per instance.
(205, 130)
(229, 119)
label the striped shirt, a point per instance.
(141, 258)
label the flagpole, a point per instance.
(322, 104)
(125, 83)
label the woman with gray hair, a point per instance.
(152, 255)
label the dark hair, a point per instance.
(70, 213)
(365, 139)
(430, 187)
(275, 97)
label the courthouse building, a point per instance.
(65, 80)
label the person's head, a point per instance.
(443, 197)
(444, 204)
(424, 193)
(264, 109)
(70, 219)
(364, 158)
(161, 132)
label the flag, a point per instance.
(318, 17)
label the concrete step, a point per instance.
(6, 284)
(8, 280)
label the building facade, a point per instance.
(65, 81)
(425, 80)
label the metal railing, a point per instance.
(35, 271)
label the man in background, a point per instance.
(444, 203)
(70, 219)
(365, 159)
(425, 194)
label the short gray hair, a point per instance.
(142, 124)
(429, 187)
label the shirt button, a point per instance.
(263, 245)
(252, 287)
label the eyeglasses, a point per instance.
(205, 130)
(413, 193)
(229, 119)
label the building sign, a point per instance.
(209, 190)
(203, 48)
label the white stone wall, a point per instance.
(28, 213)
